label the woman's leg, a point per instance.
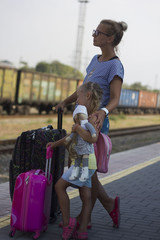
(99, 192)
(85, 195)
(111, 205)
(63, 199)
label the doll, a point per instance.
(81, 147)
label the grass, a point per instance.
(12, 126)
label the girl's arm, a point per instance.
(86, 135)
(57, 143)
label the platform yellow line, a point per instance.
(119, 175)
(5, 221)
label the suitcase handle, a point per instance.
(49, 154)
(60, 113)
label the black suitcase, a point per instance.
(30, 153)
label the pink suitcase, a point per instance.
(32, 200)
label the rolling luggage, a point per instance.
(32, 200)
(30, 153)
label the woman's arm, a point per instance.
(115, 91)
(72, 98)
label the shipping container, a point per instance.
(147, 99)
(129, 98)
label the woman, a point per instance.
(106, 70)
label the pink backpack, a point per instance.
(102, 149)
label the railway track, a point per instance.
(7, 146)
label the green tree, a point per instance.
(42, 67)
(58, 69)
(139, 86)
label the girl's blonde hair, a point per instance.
(96, 94)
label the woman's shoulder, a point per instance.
(95, 58)
(116, 62)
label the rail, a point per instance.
(7, 146)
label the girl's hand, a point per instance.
(100, 116)
(74, 127)
(51, 144)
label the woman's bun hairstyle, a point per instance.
(124, 25)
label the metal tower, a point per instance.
(80, 33)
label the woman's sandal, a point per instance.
(115, 214)
(80, 235)
(78, 224)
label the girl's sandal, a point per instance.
(78, 224)
(70, 229)
(115, 214)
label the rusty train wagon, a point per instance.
(42, 91)
(8, 80)
(22, 89)
(147, 102)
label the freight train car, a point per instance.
(42, 91)
(138, 102)
(158, 102)
(147, 101)
(8, 80)
(20, 90)
(128, 102)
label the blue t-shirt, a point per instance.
(103, 73)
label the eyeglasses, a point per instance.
(97, 32)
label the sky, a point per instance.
(46, 30)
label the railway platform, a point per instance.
(134, 175)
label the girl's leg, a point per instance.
(85, 195)
(63, 199)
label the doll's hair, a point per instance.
(96, 94)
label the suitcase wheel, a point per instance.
(45, 228)
(12, 233)
(37, 234)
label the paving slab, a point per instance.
(134, 175)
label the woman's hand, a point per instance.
(99, 116)
(60, 105)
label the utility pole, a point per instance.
(80, 34)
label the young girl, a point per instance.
(81, 147)
(89, 95)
